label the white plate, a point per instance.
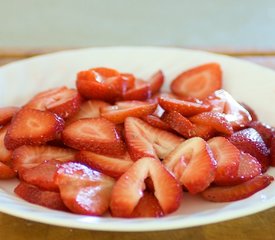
(247, 82)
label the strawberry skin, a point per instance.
(228, 160)
(143, 140)
(155, 121)
(214, 119)
(119, 112)
(94, 134)
(42, 176)
(198, 82)
(234, 112)
(267, 132)
(5, 154)
(6, 114)
(237, 192)
(186, 108)
(156, 81)
(44, 198)
(141, 91)
(128, 190)
(6, 172)
(62, 101)
(32, 127)
(148, 206)
(26, 157)
(250, 141)
(98, 83)
(111, 166)
(193, 164)
(83, 190)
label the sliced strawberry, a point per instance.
(6, 172)
(198, 82)
(250, 141)
(83, 190)
(251, 111)
(94, 134)
(235, 113)
(148, 206)
(63, 101)
(42, 175)
(215, 120)
(179, 123)
(111, 166)
(143, 140)
(193, 164)
(156, 81)
(88, 109)
(249, 168)
(129, 188)
(33, 127)
(6, 114)
(99, 83)
(237, 192)
(185, 127)
(228, 160)
(44, 198)
(186, 108)
(119, 112)
(155, 121)
(141, 91)
(272, 152)
(128, 82)
(5, 154)
(26, 157)
(267, 132)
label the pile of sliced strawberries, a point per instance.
(117, 143)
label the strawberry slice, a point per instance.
(6, 172)
(33, 127)
(250, 141)
(185, 127)
(6, 114)
(272, 152)
(198, 82)
(235, 113)
(111, 166)
(43, 198)
(148, 206)
(26, 157)
(186, 108)
(83, 190)
(252, 113)
(215, 120)
(143, 140)
(156, 122)
(100, 83)
(193, 164)
(228, 160)
(141, 91)
(42, 175)
(5, 154)
(179, 123)
(62, 101)
(119, 112)
(237, 192)
(267, 132)
(249, 168)
(94, 134)
(156, 81)
(128, 190)
(88, 109)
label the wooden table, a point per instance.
(257, 226)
